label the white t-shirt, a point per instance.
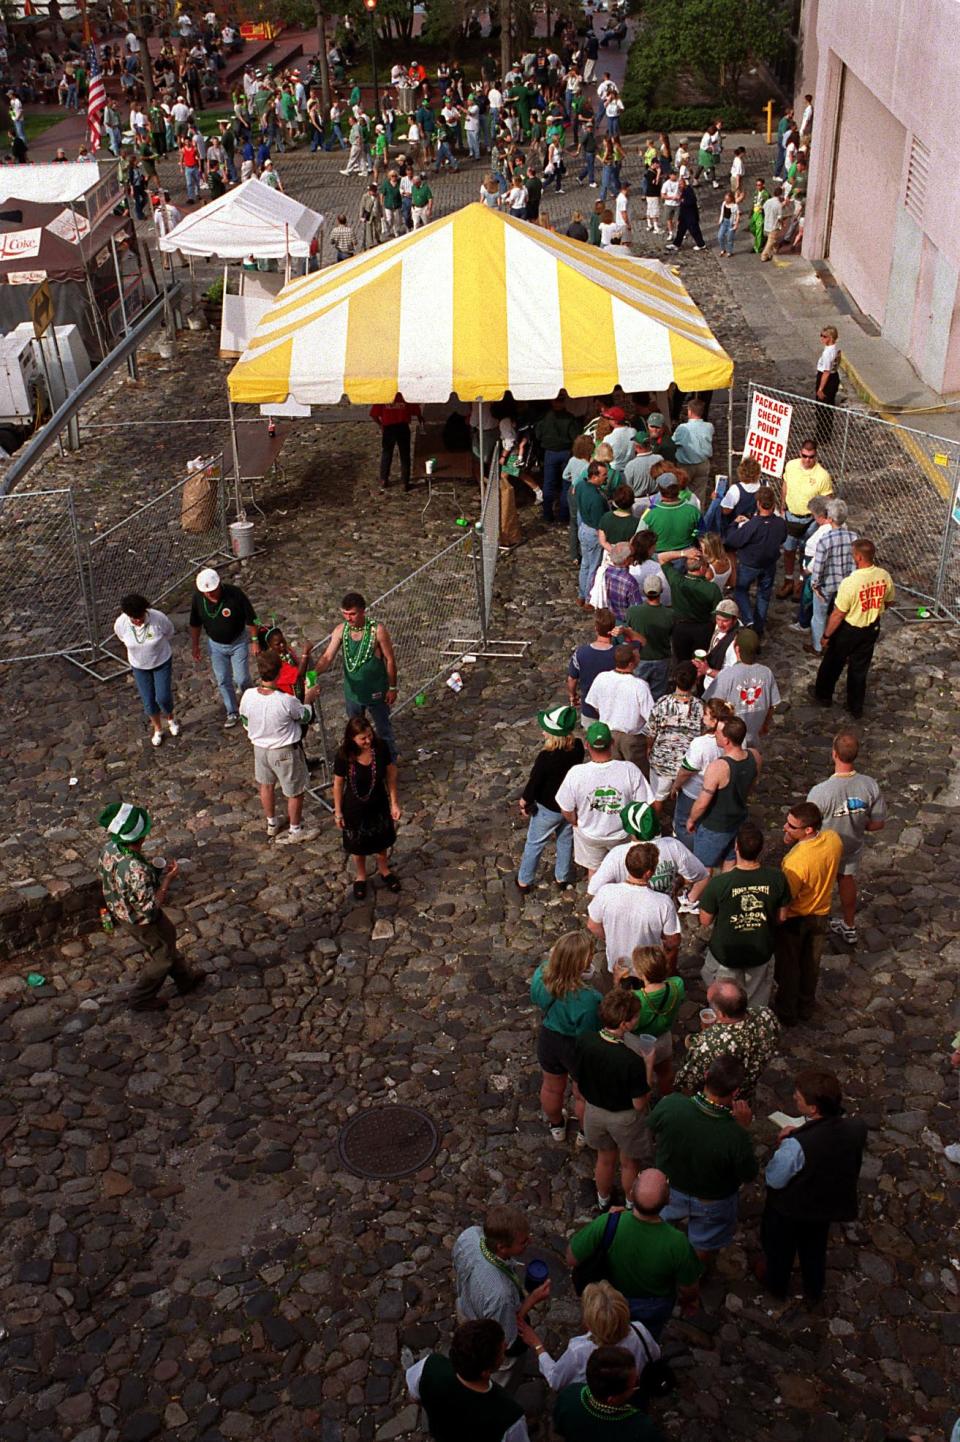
(148, 645)
(732, 495)
(701, 751)
(736, 168)
(608, 233)
(828, 358)
(273, 719)
(623, 701)
(810, 549)
(706, 140)
(613, 108)
(632, 916)
(675, 860)
(670, 192)
(622, 212)
(495, 97)
(598, 791)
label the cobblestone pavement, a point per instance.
(184, 1254)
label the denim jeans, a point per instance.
(746, 575)
(725, 236)
(545, 823)
(553, 488)
(681, 815)
(473, 144)
(231, 667)
(653, 1312)
(589, 167)
(608, 182)
(191, 178)
(821, 610)
(590, 557)
(154, 688)
(379, 714)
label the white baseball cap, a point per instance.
(207, 579)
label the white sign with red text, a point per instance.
(768, 433)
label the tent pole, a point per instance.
(730, 430)
(238, 498)
(480, 432)
(132, 361)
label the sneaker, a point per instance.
(795, 626)
(952, 1153)
(232, 720)
(580, 1142)
(846, 933)
(173, 727)
(604, 1203)
(699, 247)
(538, 496)
(688, 907)
(670, 246)
(558, 1132)
(593, 185)
(300, 833)
(156, 739)
(273, 826)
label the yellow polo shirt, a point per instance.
(864, 595)
(811, 869)
(799, 485)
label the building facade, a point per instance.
(884, 186)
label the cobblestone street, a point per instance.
(185, 1256)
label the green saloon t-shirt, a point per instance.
(647, 1259)
(744, 904)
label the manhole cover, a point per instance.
(387, 1142)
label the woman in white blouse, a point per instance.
(828, 381)
(146, 635)
(606, 1317)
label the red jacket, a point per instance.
(398, 413)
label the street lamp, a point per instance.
(370, 6)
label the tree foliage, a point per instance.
(712, 41)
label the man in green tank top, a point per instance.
(369, 666)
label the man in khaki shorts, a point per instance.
(273, 721)
(615, 1084)
(592, 795)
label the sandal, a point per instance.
(390, 881)
(359, 890)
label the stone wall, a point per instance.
(36, 915)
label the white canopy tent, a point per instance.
(251, 220)
(52, 184)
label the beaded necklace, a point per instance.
(364, 796)
(602, 1411)
(499, 1263)
(357, 653)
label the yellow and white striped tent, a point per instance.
(473, 305)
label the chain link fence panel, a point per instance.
(899, 484)
(43, 607)
(159, 546)
(489, 535)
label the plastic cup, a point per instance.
(431, 465)
(536, 1274)
(707, 1016)
(159, 862)
(646, 1044)
(699, 655)
(419, 699)
(34, 978)
(311, 678)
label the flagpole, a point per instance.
(87, 35)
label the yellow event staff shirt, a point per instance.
(864, 595)
(799, 485)
(811, 869)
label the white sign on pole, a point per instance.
(768, 433)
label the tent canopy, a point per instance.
(473, 305)
(56, 182)
(253, 219)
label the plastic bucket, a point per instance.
(241, 538)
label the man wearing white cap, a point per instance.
(225, 614)
(134, 890)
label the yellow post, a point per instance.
(769, 109)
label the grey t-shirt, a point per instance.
(484, 1291)
(847, 804)
(636, 474)
(751, 690)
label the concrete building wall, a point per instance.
(887, 77)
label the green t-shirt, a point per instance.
(646, 1259)
(618, 528)
(658, 1008)
(391, 195)
(421, 194)
(744, 904)
(673, 524)
(655, 625)
(701, 1148)
(694, 597)
(591, 502)
(567, 1015)
(578, 1418)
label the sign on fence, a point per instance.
(768, 433)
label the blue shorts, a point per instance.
(710, 1225)
(713, 848)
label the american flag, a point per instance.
(96, 100)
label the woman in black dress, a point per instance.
(365, 803)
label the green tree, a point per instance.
(712, 41)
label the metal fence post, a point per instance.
(948, 525)
(843, 451)
(476, 546)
